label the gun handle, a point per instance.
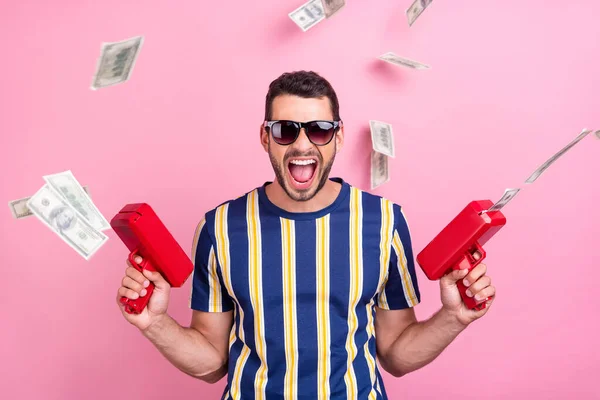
(469, 262)
(136, 306)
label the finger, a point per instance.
(137, 276)
(483, 294)
(132, 284)
(130, 294)
(475, 274)
(452, 277)
(157, 279)
(478, 285)
(476, 255)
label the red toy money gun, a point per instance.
(144, 234)
(455, 245)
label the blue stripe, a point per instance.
(238, 257)
(404, 233)
(273, 303)
(339, 277)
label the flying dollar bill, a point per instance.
(509, 194)
(597, 133)
(65, 184)
(308, 15)
(54, 211)
(416, 9)
(331, 7)
(380, 172)
(19, 208)
(116, 62)
(382, 138)
(401, 61)
(536, 174)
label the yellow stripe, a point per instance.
(385, 247)
(196, 237)
(223, 254)
(215, 303)
(323, 328)
(355, 288)
(407, 285)
(193, 254)
(289, 310)
(256, 292)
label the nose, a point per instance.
(302, 142)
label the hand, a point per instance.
(478, 284)
(134, 285)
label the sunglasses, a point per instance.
(318, 132)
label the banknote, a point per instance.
(380, 172)
(116, 62)
(416, 9)
(509, 194)
(401, 61)
(66, 185)
(382, 138)
(308, 15)
(68, 224)
(331, 7)
(19, 208)
(597, 133)
(536, 174)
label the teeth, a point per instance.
(302, 162)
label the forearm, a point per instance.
(187, 349)
(420, 343)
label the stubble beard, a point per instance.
(304, 195)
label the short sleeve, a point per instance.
(208, 291)
(401, 289)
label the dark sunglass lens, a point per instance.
(320, 132)
(284, 132)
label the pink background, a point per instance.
(511, 83)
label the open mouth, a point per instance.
(302, 172)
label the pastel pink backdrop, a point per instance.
(511, 83)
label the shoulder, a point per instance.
(373, 203)
(225, 208)
(376, 201)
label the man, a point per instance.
(302, 284)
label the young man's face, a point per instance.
(301, 168)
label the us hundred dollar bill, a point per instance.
(65, 184)
(380, 172)
(57, 214)
(331, 7)
(308, 15)
(540, 170)
(116, 62)
(416, 9)
(509, 194)
(19, 208)
(395, 59)
(382, 138)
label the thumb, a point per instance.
(156, 278)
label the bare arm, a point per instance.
(405, 344)
(202, 350)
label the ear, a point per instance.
(264, 137)
(339, 139)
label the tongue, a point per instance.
(302, 173)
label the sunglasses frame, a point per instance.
(299, 125)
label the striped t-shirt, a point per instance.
(303, 288)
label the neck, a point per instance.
(325, 197)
